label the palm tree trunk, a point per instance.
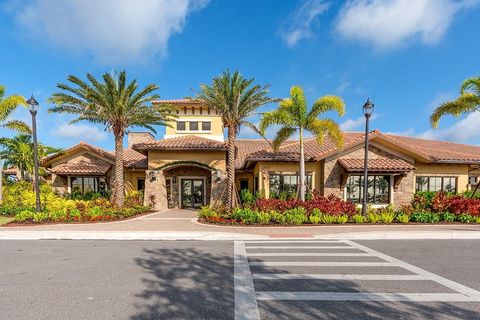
(22, 172)
(119, 189)
(232, 136)
(302, 167)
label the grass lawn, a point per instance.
(5, 220)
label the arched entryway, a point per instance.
(188, 186)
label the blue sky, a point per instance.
(407, 56)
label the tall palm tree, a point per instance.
(7, 106)
(18, 152)
(294, 117)
(236, 99)
(115, 104)
(468, 101)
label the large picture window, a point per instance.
(445, 184)
(83, 185)
(378, 189)
(286, 183)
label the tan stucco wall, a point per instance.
(196, 113)
(216, 159)
(239, 175)
(447, 170)
(131, 178)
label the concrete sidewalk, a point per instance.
(177, 224)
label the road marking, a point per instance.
(294, 241)
(319, 264)
(299, 247)
(315, 276)
(363, 296)
(309, 254)
(432, 276)
(245, 300)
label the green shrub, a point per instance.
(295, 216)
(449, 217)
(403, 218)
(207, 212)
(247, 197)
(425, 217)
(477, 219)
(279, 218)
(465, 218)
(24, 215)
(264, 217)
(327, 219)
(387, 217)
(341, 219)
(40, 216)
(314, 219)
(358, 218)
(246, 215)
(373, 217)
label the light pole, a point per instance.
(33, 111)
(367, 111)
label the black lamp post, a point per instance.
(33, 104)
(367, 111)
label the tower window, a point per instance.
(193, 126)
(206, 126)
(181, 126)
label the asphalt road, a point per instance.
(195, 279)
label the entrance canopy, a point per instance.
(385, 165)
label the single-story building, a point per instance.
(188, 167)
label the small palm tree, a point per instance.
(293, 117)
(468, 101)
(236, 99)
(7, 106)
(115, 104)
(18, 152)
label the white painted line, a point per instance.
(363, 296)
(246, 307)
(309, 254)
(293, 241)
(167, 218)
(434, 277)
(299, 247)
(314, 276)
(320, 264)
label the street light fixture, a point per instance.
(34, 106)
(367, 111)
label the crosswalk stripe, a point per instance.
(309, 254)
(314, 276)
(300, 247)
(319, 264)
(363, 296)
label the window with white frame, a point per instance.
(378, 189)
(430, 183)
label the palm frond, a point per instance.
(325, 104)
(322, 127)
(18, 126)
(467, 102)
(471, 85)
(282, 135)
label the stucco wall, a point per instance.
(131, 179)
(215, 159)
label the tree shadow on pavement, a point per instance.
(185, 283)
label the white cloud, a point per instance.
(112, 31)
(342, 87)
(439, 99)
(79, 132)
(390, 23)
(299, 23)
(463, 131)
(355, 124)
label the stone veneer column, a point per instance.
(219, 183)
(155, 186)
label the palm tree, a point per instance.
(115, 104)
(236, 99)
(7, 106)
(468, 101)
(293, 117)
(18, 152)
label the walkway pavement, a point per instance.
(182, 224)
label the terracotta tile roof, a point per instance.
(182, 143)
(246, 147)
(84, 168)
(177, 101)
(10, 171)
(131, 158)
(376, 165)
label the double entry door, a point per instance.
(192, 193)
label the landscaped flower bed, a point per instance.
(425, 208)
(19, 202)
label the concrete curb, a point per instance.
(191, 235)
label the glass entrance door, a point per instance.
(192, 193)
